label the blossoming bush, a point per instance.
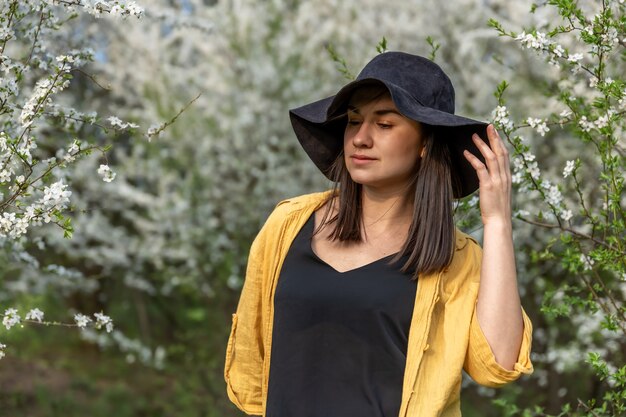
(571, 190)
(32, 188)
(41, 137)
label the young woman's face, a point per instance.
(381, 146)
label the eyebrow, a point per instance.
(379, 112)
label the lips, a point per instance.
(362, 158)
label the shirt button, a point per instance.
(426, 347)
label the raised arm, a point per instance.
(498, 308)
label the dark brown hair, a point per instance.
(431, 238)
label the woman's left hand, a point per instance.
(494, 178)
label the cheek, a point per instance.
(408, 152)
(412, 148)
(408, 162)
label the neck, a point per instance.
(386, 208)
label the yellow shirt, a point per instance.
(444, 336)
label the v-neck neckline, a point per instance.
(310, 226)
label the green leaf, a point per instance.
(499, 93)
(434, 47)
(342, 66)
(382, 46)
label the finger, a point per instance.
(506, 160)
(502, 154)
(490, 158)
(497, 143)
(479, 167)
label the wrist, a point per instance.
(498, 224)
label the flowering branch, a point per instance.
(11, 318)
(157, 129)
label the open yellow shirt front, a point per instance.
(444, 336)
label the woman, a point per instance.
(365, 300)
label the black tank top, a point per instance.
(339, 340)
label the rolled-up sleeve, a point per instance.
(480, 362)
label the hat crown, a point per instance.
(421, 78)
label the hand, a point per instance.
(494, 179)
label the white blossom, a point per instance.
(56, 195)
(3, 142)
(525, 163)
(533, 170)
(529, 156)
(564, 115)
(2, 347)
(35, 314)
(566, 215)
(11, 318)
(65, 59)
(569, 168)
(602, 121)
(518, 170)
(539, 40)
(5, 175)
(610, 36)
(587, 262)
(117, 122)
(558, 50)
(575, 58)
(103, 321)
(81, 320)
(42, 88)
(106, 173)
(41, 97)
(12, 225)
(538, 124)
(585, 124)
(500, 117)
(70, 156)
(553, 195)
(121, 8)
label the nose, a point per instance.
(361, 136)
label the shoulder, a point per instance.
(290, 210)
(466, 261)
(465, 242)
(306, 202)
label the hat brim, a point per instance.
(319, 127)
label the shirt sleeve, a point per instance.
(243, 370)
(480, 362)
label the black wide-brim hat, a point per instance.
(420, 90)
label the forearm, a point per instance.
(499, 310)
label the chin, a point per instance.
(380, 183)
